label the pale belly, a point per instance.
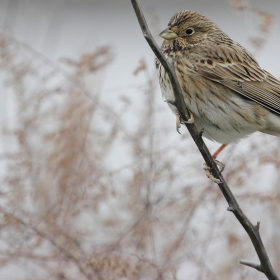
(224, 115)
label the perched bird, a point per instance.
(229, 95)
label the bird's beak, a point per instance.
(168, 34)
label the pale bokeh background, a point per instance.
(57, 29)
(67, 28)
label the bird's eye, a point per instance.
(189, 31)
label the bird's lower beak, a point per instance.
(168, 34)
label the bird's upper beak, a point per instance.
(168, 34)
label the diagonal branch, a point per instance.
(253, 231)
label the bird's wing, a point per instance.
(239, 71)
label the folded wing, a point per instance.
(239, 71)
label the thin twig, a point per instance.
(252, 231)
(67, 253)
(256, 266)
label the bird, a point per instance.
(226, 91)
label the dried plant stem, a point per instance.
(253, 231)
(67, 254)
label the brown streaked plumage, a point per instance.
(228, 93)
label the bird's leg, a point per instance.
(215, 155)
(222, 147)
(219, 163)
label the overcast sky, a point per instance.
(59, 28)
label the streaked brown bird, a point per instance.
(229, 95)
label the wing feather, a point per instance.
(239, 71)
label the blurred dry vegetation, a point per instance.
(87, 195)
(264, 21)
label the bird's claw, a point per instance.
(209, 175)
(190, 120)
(207, 169)
(221, 165)
(178, 122)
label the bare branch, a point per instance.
(252, 231)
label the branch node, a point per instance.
(231, 208)
(170, 102)
(256, 266)
(201, 132)
(257, 226)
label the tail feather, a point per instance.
(273, 126)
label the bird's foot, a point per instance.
(207, 171)
(191, 119)
(209, 175)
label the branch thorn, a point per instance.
(170, 102)
(231, 208)
(256, 266)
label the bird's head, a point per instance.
(186, 29)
